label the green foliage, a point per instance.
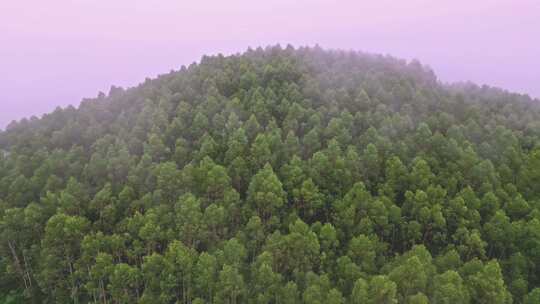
(279, 175)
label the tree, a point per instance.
(182, 152)
(205, 275)
(125, 283)
(17, 239)
(234, 253)
(303, 247)
(252, 127)
(292, 144)
(74, 198)
(487, 285)
(311, 142)
(61, 249)
(353, 209)
(362, 251)
(199, 126)
(421, 176)
(449, 288)
(180, 261)
(261, 152)
(237, 145)
(231, 288)
(418, 298)
(189, 220)
(396, 179)
(360, 292)
(309, 201)
(253, 236)
(103, 208)
(155, 291)
(265, 193)
(266, 282)
(156, 149)
(329, 244)
(289, 294)
(532, 297)
(381, 290)
(99, 274)
(371, 165)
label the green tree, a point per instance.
(205, 274)
(487, 285)
(60, 251)
(265, 193)
(189, 220)
(230, 286)
(382, 290)
(449, 288)
(125, 283)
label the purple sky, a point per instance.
(56, 52)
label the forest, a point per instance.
(279, 175)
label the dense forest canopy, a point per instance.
(279, 175)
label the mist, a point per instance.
(57, 52)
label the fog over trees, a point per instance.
(279, 175)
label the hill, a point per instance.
(279, 175)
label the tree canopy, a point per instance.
(278, 175)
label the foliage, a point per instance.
(279, 175)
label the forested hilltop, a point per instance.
(278, 175)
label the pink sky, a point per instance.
(55, 52)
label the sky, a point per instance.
(56, 52)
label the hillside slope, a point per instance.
(276, 176)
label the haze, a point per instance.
(54, 53)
